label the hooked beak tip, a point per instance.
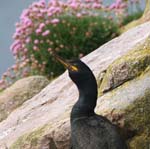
(66, 64)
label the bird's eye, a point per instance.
(74, 68)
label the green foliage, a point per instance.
(71, 28)
(131, 17)
(70, 38)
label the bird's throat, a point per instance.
(87, 100)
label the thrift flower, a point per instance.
(55, 21)
(38, 31)
(45, 33)
(36, 41)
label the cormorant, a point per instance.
(89, 130)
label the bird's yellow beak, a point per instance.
(66, 64)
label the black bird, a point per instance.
(89, 130)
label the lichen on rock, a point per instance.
(137, 119)
(47, 137)
(126, 67)
(128, 107)
(29, 140)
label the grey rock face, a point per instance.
(127, 67)
(47, 113)
(19, 92)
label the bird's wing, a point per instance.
(95, 133)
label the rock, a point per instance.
(19, 92)
(122, 97)
(43, 121)
(127, 67)
(137, 120)
(130, 105)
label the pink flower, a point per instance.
(79, 15)
(118, 4)
(123, 5)
(43, 11)
(39, 15)
(15, 46)
(118, 1)
(15, 67)
(54, 3)
(17, 24)
(16, 49)
(112, 6)
(35, 48)
(41, 26)
(45, 33)
(47, 22)
(74, 5)
(55, 21)
(1, 82)
(96, 5)
(15, 35)
(24, 14)
(87, 1)
(25, 50)
(38, 31)
(49, 49)
(35, 9)
(36, 41)
(57, 10)
(27, 22)
(49, 14)
(42, 2)
(18, 30)
(28, 40)
(51, 10)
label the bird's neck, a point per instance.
(87, 99)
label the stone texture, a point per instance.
(43, 121)
(19, 92)
(124, 95)
(138, 121)
(127, 67)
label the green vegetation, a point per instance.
(131, 17)
(71, 38)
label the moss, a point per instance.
(137, 119)
(140, 142)
(126, 67)
(147, 7)
(33, 140)
(130, 25)
(29, 140)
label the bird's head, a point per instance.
(78, 71)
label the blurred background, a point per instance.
(9, 14)
(34, 58)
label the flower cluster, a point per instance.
(39, 15)
(37, 33)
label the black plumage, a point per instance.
(89, 130)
